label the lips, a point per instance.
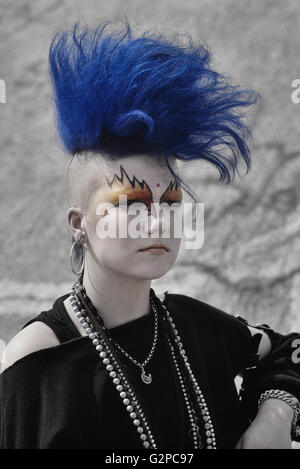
(155, 247)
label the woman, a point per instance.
(110, 365)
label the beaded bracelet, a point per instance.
(291, 400)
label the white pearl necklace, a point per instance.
(121, 381)
(209, 429)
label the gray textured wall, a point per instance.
(250, 261)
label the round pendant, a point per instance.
(147, 379)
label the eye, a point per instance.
(131, 202)
(171, 202)
(135, 201)
(133, 205)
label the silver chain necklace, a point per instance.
(122, 382)
(146, 378)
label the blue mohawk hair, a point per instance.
(126, 95)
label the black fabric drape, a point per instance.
(62, 397)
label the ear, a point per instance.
(75, 218)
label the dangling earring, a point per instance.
(80, 241)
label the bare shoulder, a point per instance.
(34, 337)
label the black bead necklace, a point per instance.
(201, 427)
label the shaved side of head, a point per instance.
(88, 171)
(85, 175)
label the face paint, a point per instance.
(173, 193)
(134, 189)
(116, 237)
(136, 192)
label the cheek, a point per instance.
(122, 224)
(172, 222)
(176, 242)
(118, 255)
(111, 250)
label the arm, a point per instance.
(271, 428)
(265, 358)
(276, 369)
(36, 336)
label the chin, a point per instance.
(152, 272)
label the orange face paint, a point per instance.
(173, 193)
(134, 190)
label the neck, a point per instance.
(118, 299)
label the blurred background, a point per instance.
(250, 262)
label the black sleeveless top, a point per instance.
(162, 395)
(62, 396)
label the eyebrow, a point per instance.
(173, 192)
(138, 195)
(136, 189)
(133, 188)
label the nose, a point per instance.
(154, 209)
(156, 226)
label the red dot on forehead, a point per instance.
(157, 185)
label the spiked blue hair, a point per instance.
(150, 95)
